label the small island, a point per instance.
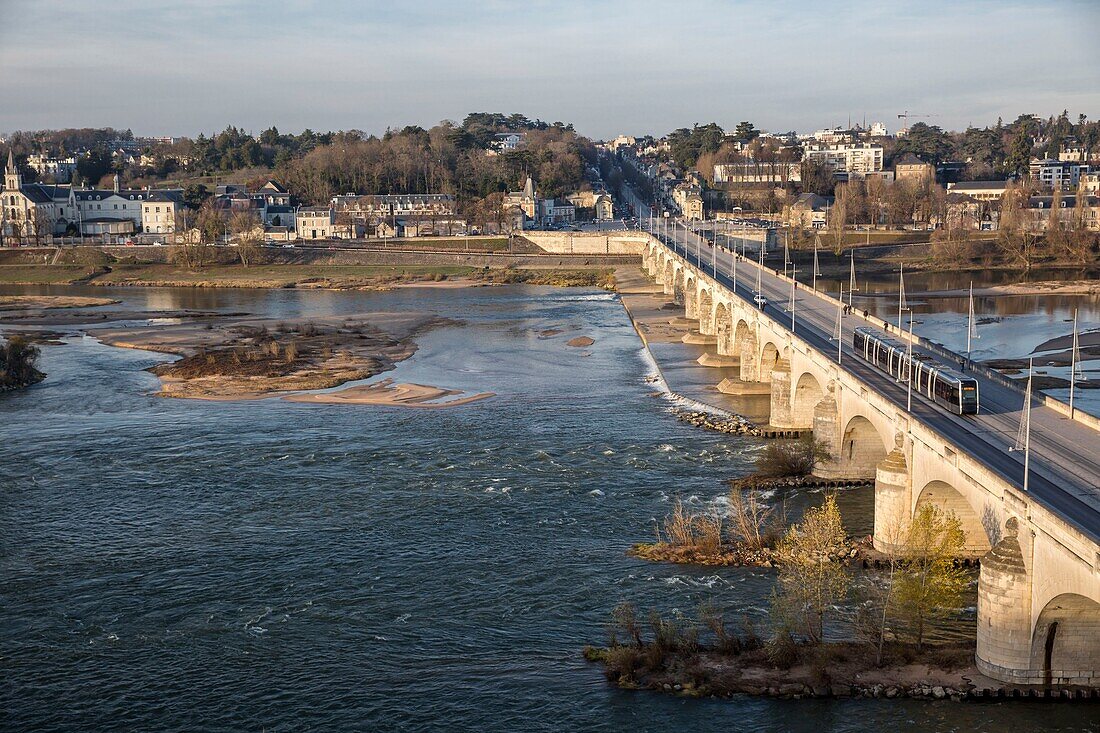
(18, 358)
(235, 358)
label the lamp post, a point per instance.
(909, 368)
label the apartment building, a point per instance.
(853, 160)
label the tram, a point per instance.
(946, 387)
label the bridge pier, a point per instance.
(826, 430)
(1004, 612)
(781, 416)
(892, 501)
(750, 365)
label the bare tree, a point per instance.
(838, 218)
(244, 225)
(1016, 236)
(40, 223)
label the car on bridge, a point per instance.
(760, 301)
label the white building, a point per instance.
(980, 190)
(507, 142)
(1073, 153)
(756, 172)
(60, 169)
(158, 211)
(878, 129)
(557, 211)
(690, 200)
(315, 222)
(98, 206)
(32, 209)
(1058, 173)
(853, 159)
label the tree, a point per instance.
(211, 222)
(928, 584)
(40, 224)
(191, 250)
(811, 579)
(17, 363)
(927, 142)
(874, 199)
(195, 195)
(1015, 235)
(95, 164)
(243, 224)
(1079, 241)
(817, 178)
(838, 218)
(1018, 161)
(746, 132)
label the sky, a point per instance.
(180, 67)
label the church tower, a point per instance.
(13, 181)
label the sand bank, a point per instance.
(394, 395)
(45, 302)
(252, 358)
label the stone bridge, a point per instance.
(1039, 587)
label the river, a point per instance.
(175, 565)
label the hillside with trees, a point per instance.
(459, 159)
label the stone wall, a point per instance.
(601, 243)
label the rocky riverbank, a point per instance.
(828, 670)
(736, 554)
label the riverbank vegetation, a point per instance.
(289, 275)
(747, 530)
(885, 625)
(18, 359)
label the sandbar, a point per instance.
(387, 393)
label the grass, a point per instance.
(289, 275)
(44, 274)
(276, 275)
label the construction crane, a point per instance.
(907, 114)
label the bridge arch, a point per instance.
(807, 393)
(669, 276)
(740, 333)
(769, 357)
(679, 279)
(947, 497)
(723, 327)
(691, 297)
(706, 311)
(861, 448)
(1065, 644)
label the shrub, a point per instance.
(18, 358)
(679, 526)
(625, 618)
(621, 663)
(782, 650)
(753, 522)
(795, 458)
(710, 615)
